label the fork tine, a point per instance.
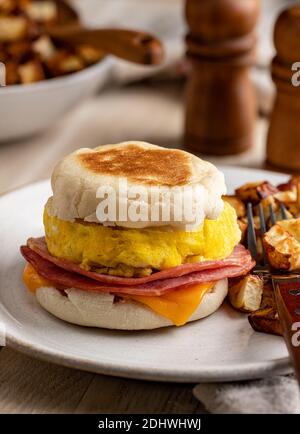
(272, 215)
(283, 212)
(262, 220)
(251, 238)
(263, 230)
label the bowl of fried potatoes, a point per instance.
(40, 79)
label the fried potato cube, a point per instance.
(292, 201)
(243, 225)
(11, 73)
(293, 210)
(282, 245)
(290, 198)
(18, 51)
(89, 54)
(295, 181)
(12, 28)
(31, 72)
(7, 6)
(3, 53)
(255, 191)
(71, 63)
(44, 47)
(63, 63)
(275, 203)
(265, 203)
(286, 196)
(297, 186)
(246, 294)
(266, 320)
(41, 11)
(289, 185)
(237, 204)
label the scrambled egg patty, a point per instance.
(136, 252)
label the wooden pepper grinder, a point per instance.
(283, 143)
(221, 103)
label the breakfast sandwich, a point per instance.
(136, 237)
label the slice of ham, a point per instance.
(70, 279)
(240, 257)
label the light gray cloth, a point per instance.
(275, 395)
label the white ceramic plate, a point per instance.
(48, 100)
(222, 347)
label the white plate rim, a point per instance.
(249, 371)
(59, 82)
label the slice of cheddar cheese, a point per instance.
(177, 306)
(33, 280)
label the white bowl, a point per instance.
(29, 109)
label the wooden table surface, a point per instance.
(141, 112)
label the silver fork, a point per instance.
(263, 267)
(286, 285)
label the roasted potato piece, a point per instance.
(7, 6)
(44, 47)
(31, 72)
(286, 196)
(292, 201)
(282, 244)
(237, 204)
(63, 63)
(12, 28)
(278, 215)
(243, 225)
(266, 202)
(275, 203)
(259, 246)
(293, 210)
(89, 54)
(268, 298)
(255, 191)
(41, 11)
(266, 321)
(290, 185)
(3, 54)
(18, 51)
(71, 63)
(246, 294)
(296, 183)
(11, 76)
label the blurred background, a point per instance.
(128, 101)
